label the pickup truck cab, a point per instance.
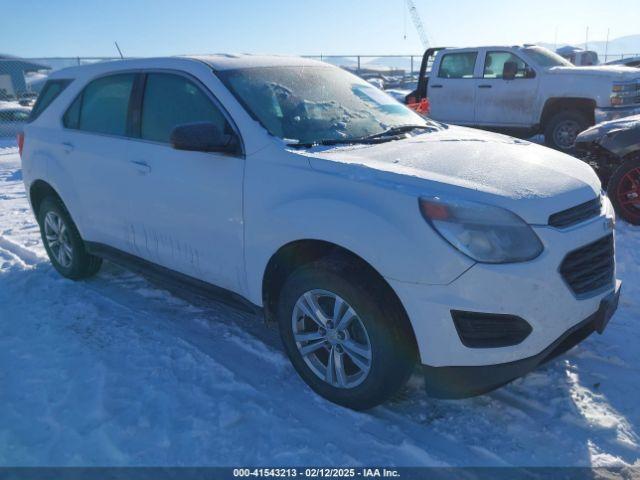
(526, 89)
(375, 238)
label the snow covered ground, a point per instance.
(117, 371)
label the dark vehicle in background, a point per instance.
(628, 62)
(613, 150)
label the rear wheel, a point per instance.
(624, 191)
(562, 129)
(63, 243)
(343, 337)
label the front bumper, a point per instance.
(606, 114)
(461, 382)
(534, 291)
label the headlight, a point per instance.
(484, 233)
(623, 93)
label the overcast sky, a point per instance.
(166, 27)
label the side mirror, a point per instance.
(203, 137)
(529, 72)
(509, 70)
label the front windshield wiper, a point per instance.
(400, 129)
(381, 137)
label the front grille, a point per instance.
(576, 214)
(589, 268)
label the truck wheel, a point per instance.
(62, 241)
(562, 129)
(342, 336)
(624, 190)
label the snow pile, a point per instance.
(117, 371)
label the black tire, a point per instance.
(393, 351)
(618, 190)
(81, 264)
(571, 123)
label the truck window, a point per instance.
(457, 65)
(494, 64)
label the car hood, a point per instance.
(625, 123)
(530, 180)
(618, 72)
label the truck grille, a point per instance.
(591, 267)
(576, 214)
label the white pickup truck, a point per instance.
(524, 89)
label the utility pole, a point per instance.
(586, 40)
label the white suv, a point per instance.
(377, 240)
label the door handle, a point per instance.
(141, 166)
(484, 86)
(436, 86)
(67, 147)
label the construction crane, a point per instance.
(417, 22)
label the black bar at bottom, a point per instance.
(409, 473)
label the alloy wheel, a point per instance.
(57, 237)
(628, 193)
(331, 339)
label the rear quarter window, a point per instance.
(49, 92)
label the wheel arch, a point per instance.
(554, 105)
(297, 253)
(38, 191)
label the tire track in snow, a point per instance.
(290, 387)
(24, 255)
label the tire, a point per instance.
(378, 323)
(74, 262)
(624, 190)
(562, 128)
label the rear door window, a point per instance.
(457, 65)
(103, 106)
(171, 100)
(49, 92)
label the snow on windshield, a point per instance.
(310, 104)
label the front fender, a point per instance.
(379, 223)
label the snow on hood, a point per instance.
(531, 180)
(623, 123)
(620, 71)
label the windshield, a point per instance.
(546, 58)
(308, 105)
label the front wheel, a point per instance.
(624, 191)
(563, 128)
(344, 340)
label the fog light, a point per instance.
(490, 330)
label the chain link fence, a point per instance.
(22, 78)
